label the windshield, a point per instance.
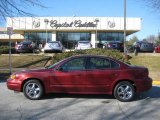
(53, 65)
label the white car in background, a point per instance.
(53, 46)
(81, 45)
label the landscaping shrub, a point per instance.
(5, 49)
(97, 51)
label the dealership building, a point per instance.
(70, 30)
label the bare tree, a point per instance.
(155, 4)
(158, 39)
(151, 39)
(12, 8)
(132, 40)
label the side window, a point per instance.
(74, 64)
(99, 63)
(114, 64)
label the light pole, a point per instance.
(125, 50)
(96, 20)
(10, 32)
(46, 23)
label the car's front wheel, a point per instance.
(124, 91)
(33, 89)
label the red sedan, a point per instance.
(83, 74)
(157, 49)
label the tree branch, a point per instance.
(12, 8)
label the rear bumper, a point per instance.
(23, 50)
(143, 85)
(52, 50)
(83, 48)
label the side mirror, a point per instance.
(61, 69)
(46, 66)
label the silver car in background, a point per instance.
(141, 46)
(53, 46)
(81, 45)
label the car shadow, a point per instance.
(84, 96)
(154, 92)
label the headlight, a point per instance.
(13, 76)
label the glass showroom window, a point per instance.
(70, 39)
(38, 37)
(104, 37)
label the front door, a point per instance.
(70, 76)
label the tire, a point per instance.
(33, 89)
(124, 91)
(33, 51)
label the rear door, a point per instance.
(101, 73)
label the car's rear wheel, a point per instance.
(33, 89)
(124, 91)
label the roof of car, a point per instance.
(25, 42)
(114, 42)
(89, 55)
(53, 41)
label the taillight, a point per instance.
(29, 46)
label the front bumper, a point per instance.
(13, 84)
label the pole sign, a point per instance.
(9, 30)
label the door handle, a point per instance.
(115, 75)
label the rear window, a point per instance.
(102, 63)
(53, 43)
(114, 64)
(147, 45)
(25, 43)
(84, 42)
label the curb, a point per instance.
(156, 82)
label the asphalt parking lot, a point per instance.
(14, 106)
